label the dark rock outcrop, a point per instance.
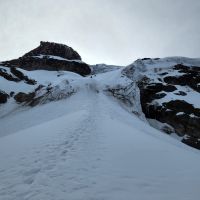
(190, 77)
(151, 91)
(22, 97)
(70, 61)
(7, 76)
(192, 141)
(22, 77)
(3, 97)
(34, 63)
(181, 115)
(16, 76)
(55, 49)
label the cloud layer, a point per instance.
(110, 31)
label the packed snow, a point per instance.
(94, 150)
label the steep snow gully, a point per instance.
(90, 148)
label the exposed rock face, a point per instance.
(180, 114)
(55, 49)
(7, 76)
(52, 57)
(21, 76)
(34, 63)
(3, 97)
(23, 97)
(16, 76)
(192, 141)
(190, 77)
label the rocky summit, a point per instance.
(55, 49)
(53, 57)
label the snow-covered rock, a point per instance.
(168, 87)
(30, 88)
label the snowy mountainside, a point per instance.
(74, 131)
(89, 147)
(163, 91)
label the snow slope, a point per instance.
(88, 147)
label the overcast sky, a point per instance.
(102, 31)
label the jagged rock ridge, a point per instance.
(55, 49)
(53, 57)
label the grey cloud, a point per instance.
(111, 31)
